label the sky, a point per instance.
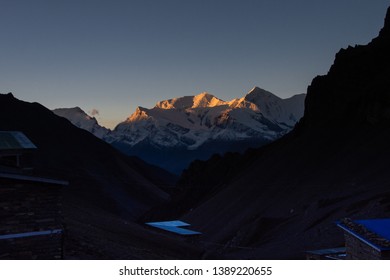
(110, 56)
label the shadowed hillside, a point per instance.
(107, 190)
(283, 199)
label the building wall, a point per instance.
(358, 250)
(30, 207)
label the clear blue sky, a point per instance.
(115, 55)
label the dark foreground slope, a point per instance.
(107, 191)
(101, 174)
(283, 199)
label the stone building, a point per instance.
(367, 239)
(31, 225)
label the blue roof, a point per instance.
(380, 227)
(175, 227)
(175, 223)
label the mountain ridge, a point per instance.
(177, 131)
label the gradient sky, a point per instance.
(115, 55)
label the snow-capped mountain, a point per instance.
(191, 121)
(177, 131)
(180, 130)
(82, 120)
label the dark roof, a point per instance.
(15, 140)
(175, 227)
(374, 232)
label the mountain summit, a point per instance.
(201, 100)
(176, 131)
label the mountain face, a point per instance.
(82, 120)
(280, 200)
(179, 130)
(191, 121)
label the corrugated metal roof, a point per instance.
(15, 140)
(175, 227)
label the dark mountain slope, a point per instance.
(96, 170)
(107, 190)
(283, 199)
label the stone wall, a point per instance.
(31, 221)
(358, 250)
